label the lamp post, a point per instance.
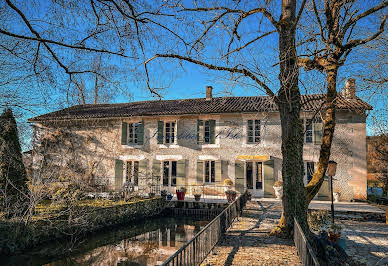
(331, 169)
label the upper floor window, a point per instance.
(132, 133)
(313, 130)
(132, 173)
(253, 131)
(167, 132)
(210, 172)
(206, 131)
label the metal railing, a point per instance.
(197, 249)
(206, 191)
(305, 251)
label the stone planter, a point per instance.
(336, 196)
(278, 192)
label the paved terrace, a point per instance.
(247, 241)
(338, 206)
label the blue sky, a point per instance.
(180, 81)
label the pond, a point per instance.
(149, 242)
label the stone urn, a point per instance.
(336, 196)
(278, 187)
(278, 192)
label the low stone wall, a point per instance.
(15, 237)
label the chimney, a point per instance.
(349, 92)
(209, 93)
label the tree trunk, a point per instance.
(294, 201)
(314, 185)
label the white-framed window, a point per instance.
(253, 131)
(206, 131)
(132, 132)
(308, 130)
(169, 132)
(132, 172)
(312, 129)
(309, 168)
(209, 172)
(169, 173)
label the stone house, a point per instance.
(199, 142)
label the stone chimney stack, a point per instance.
(209, 93)
(349, 92)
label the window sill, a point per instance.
(251, 144)
(132, 146)
(168, 146)
(210, 145)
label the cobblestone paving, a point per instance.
(367, 242)
(247, 241)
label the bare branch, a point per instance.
(357, 42)
(362, 15)
(235, 69)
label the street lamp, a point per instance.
(331, 169)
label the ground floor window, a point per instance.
(309, 171)
(169, 173)
(132, 173)
(210, 172)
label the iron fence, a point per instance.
(196, 249)
(305, 251)
(206, 191)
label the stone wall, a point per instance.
(15, 237)
(96, 144)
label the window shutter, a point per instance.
(199, 172)
(124, 135)
(140, 133)
(181, 173)
(156, 170)
(143, 166)
(200, 132)
(218, 171)
(268, 178)
(118, 174)
(239, 176)
(318, 132)
(160, 132)
(212, 131)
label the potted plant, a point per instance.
(163, 193)
(230, 195)
(197, 192)
(180, 193)
(334, 232)
(278, 187)
(169, 196)
(229, 183)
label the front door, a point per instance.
(254, 178)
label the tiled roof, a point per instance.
(193, 106)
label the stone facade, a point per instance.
(93, 148)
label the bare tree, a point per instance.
(230, 18)
(336, 26)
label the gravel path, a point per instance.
(247, 241)
(366, 241)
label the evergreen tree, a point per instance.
(13, 177)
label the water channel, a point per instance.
(148, 242)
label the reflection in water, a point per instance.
(148, 244)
